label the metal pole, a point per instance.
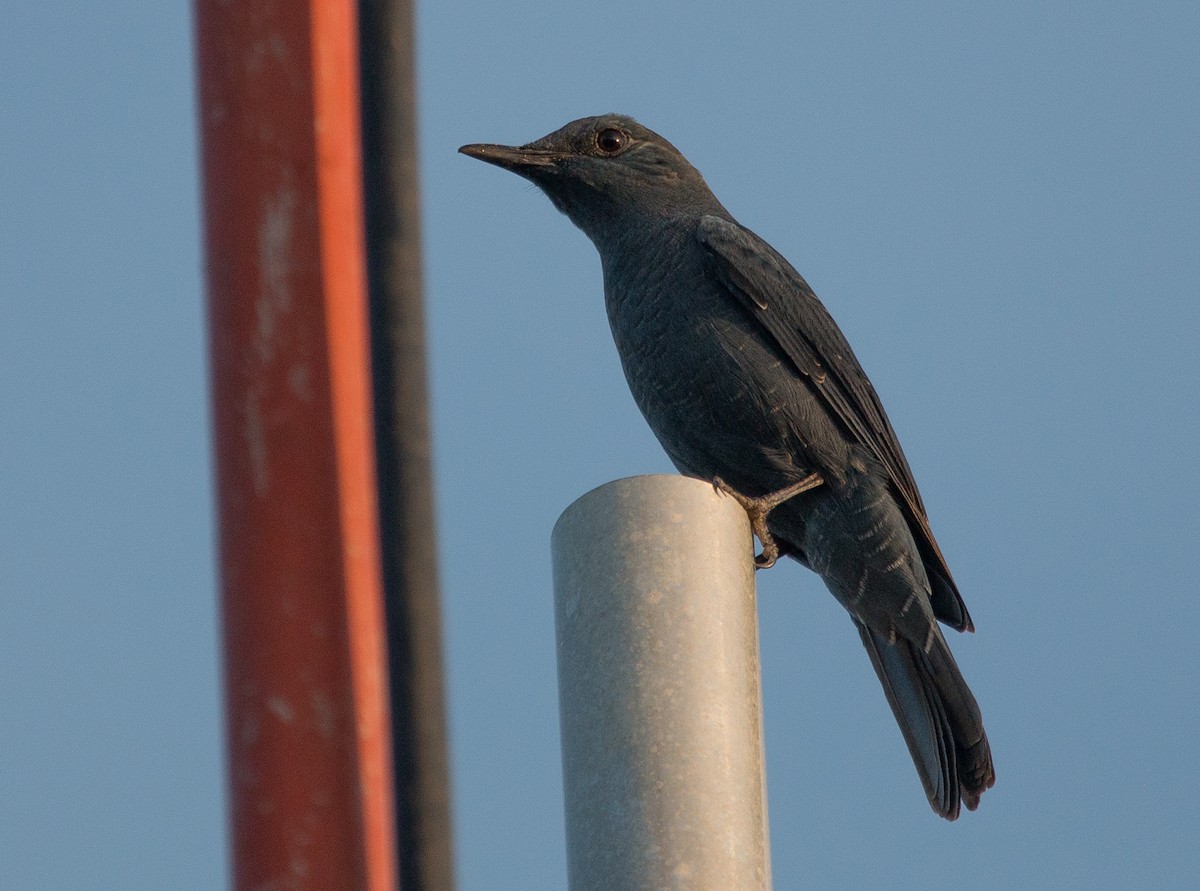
(659, 689)
(410, 578)
(305, 670)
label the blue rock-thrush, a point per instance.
(747, 381)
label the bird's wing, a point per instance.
(783, 303)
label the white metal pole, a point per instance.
(659, 690)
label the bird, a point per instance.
(747, 382)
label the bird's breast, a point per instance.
(720, 396)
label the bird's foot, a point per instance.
(759, 508)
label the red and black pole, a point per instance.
(306, 687)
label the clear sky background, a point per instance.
(1000, 203)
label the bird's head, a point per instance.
(606, 171)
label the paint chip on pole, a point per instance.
(659, 689)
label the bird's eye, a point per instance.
(610, 140)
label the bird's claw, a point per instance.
(757, 509)
(770, 552)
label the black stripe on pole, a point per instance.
(410, 579)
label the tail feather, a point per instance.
(857, 539)
(939, 718)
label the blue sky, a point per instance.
(1000, 203)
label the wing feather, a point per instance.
(790, 313)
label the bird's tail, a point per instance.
(939, 717)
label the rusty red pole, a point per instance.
(305, 676)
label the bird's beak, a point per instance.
(511, 157)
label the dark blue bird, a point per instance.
(747, 381)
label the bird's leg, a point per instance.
(758, 509)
